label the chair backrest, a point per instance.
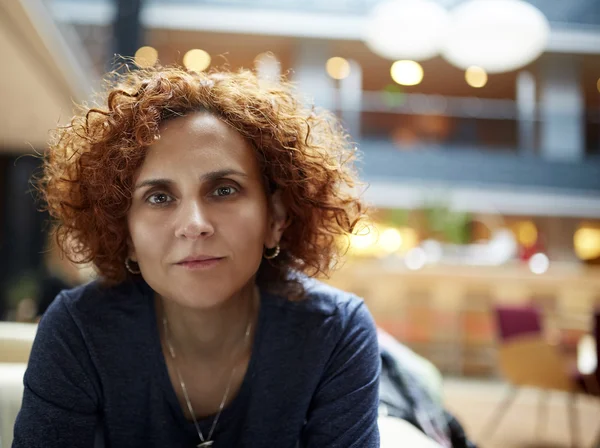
(516, 321)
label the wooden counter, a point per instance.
(445, 312)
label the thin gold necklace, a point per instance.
(208, 442)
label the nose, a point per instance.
(192, 221)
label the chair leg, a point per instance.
(573, 419)
(542, 413)
(596, 442)
(499, 413)
(591, 384)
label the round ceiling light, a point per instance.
(496, 35)
(146, 57)
(406, 29)
(338, 68)
(196, 60)
(407, 73)
(476, 77)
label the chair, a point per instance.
(16, 340)
(515, 321)
(527, 359)
(11, 395)
(587, 374)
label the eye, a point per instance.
(159, 199)
(225, 190)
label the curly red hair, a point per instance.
(304, 153)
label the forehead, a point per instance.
(201, 142)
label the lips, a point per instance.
(199, 262)
(198, 258)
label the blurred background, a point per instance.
(479, 124)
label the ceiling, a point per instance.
(575, 12)
(583, 12)
(232, 50)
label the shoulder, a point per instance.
(321, 298)
(94, 301)
(325, 303)
(329, 300)
(97, 291)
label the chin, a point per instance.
(197, 297)
(202, 293)
(193, 292)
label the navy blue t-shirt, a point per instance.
(97, 367)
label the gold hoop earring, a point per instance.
(270, 256)
(128, 262)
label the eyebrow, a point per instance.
(208, 177)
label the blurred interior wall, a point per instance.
(127, 27)
(24, 231)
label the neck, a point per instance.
(209, 334)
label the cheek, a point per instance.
(146, 236)
(248, 229)
(246, 246)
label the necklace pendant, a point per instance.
(206, 444)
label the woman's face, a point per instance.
(200, 216)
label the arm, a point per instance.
(61, 394)
(343, 411)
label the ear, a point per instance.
(278, 220)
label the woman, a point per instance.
(206, 202)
